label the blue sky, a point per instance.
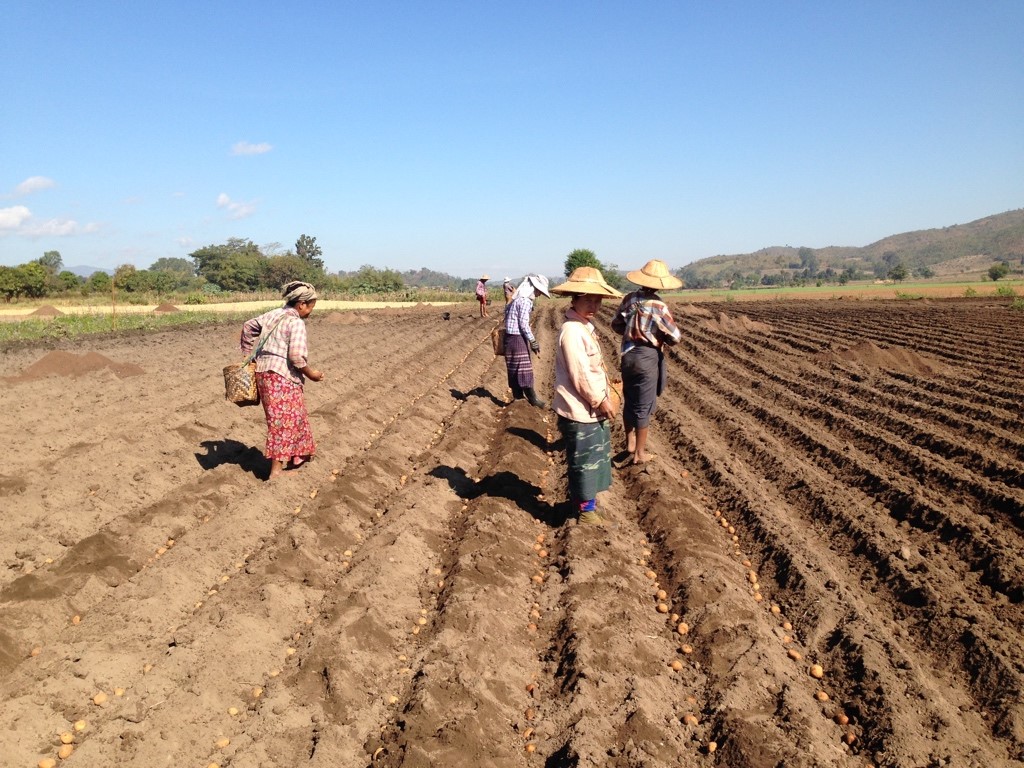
(480, 136)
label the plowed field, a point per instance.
(837, 483)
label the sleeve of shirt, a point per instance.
(670, 332)
(251, 330)
(619, 321)
(298, 350)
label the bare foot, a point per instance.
(643, 459)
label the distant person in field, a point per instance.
(582, 393)
(519, 338)
(509, 288)
(481, 295)
(281, 367)
(646, 325)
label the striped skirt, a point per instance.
(588, 454)
(288, 430)
(517, 361)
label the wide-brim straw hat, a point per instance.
(654, 274)
(586, 281)
(485, 277)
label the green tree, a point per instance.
(51, 261)
(173, 264)
(898, 273)
(68, 281)
(997, 271)
(32, 279)
(808, 261)
(283, 269)
(98, 282)
(123, 274)
(307, 249)
(237, 265)
(9, 282)
(581, 257)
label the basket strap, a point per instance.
(264, 338)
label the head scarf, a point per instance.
(532, 285)
(297, 291)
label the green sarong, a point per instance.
(588, 452)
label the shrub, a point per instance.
(970, 293)
(1006, 290)
(195, 298)
(1017, 304)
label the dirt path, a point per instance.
(838, 483)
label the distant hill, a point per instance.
(87, 271)
(958, 250)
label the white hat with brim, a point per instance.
(540, 284)
(586, 281)
(654, 274)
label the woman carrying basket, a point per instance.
(281, 366)
(582, 393)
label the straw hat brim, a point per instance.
(665, 282)
(586, 288)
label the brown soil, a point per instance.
(165, 307)
(47, 311)
(417, 597)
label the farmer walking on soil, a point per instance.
(518, 335)
(481, 295)
(646, 325)
(281, 365)
(582, 393)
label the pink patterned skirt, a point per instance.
(288, 430)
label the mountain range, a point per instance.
(959, 250)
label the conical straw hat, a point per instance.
(654, 274)
(586, 280)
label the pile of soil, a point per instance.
(739, 324)
(48, 311)
(346, 318)
(60, 363)
(898, 359)
(165, 307)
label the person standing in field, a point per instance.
(582, 393)
(509, 289)
(481, 295)
(646, 325)
(519, 338)
(281, 367)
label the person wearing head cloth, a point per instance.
(519, 338)
(509, 288)
(481, 295)
(281, 367)
(646, 325)
(581, 392)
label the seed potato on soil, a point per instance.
(868, 455)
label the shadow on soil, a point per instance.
(503, 485)
(220, 452)
(477, 392)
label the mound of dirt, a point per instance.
(346, 318)
(690, 310)
(898, 359)
(165, 307)
(739, 324)
(47, 311)
(60, 363)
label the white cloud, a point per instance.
(185, 242)
(235, 210)
(58, 228)
(18, 220)
(12, 218)
(33, 184)
(245, 148)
